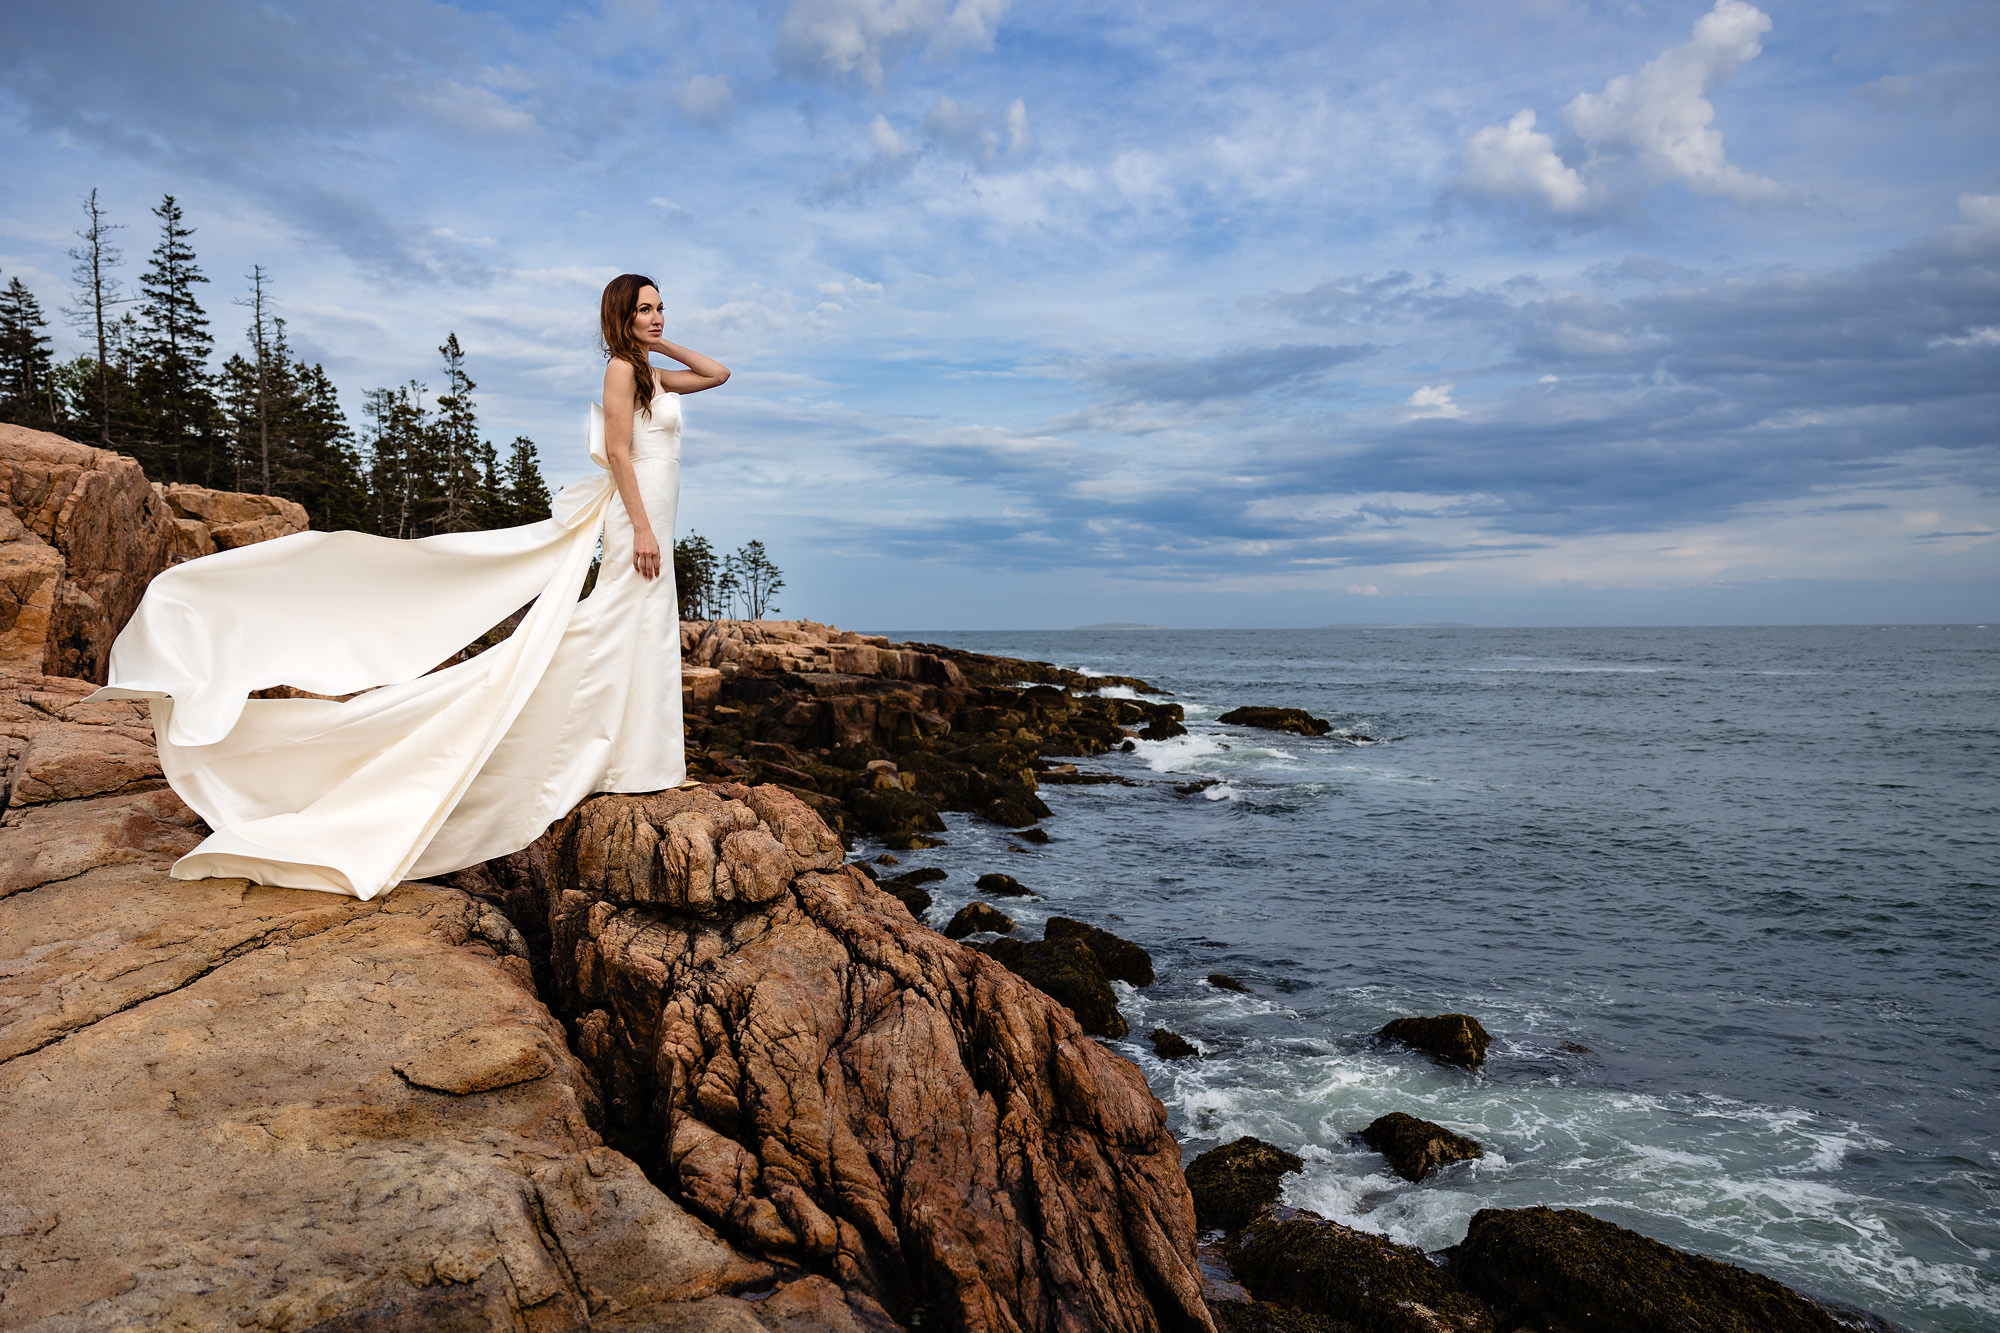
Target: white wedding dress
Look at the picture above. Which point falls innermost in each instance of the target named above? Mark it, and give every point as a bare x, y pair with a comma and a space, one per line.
429, 771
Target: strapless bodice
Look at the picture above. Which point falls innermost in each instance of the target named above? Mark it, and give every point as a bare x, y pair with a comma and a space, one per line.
658, 436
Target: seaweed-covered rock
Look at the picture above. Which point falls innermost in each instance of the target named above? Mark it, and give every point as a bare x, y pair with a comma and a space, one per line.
975, 917
1162, 729
1172, 1045
1295, 720
1298, 1258
1235, 1182
1121, 960
1067, 971
1264, 1317
1414, 1147
1567, 1269
1453, 1039
914, 899
997, 885
897, 817
1223, 981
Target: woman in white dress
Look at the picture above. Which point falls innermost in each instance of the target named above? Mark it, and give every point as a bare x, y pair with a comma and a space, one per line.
428, 771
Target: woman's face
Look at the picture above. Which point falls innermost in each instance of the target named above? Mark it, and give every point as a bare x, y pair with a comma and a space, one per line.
648, 320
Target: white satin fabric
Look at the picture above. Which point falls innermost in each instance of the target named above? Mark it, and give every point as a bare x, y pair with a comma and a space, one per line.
428, 771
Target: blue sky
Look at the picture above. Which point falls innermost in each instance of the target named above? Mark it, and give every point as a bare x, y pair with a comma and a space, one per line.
1216, 314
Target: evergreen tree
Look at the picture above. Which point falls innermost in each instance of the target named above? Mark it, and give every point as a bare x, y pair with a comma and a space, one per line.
758, 578
528, 499
27, 376
237, 395
454, 437
491, 503
694, 577
97, 293
260, 344
399, 480
322, 468
174, 384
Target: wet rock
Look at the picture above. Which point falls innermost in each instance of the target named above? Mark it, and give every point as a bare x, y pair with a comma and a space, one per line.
1295, 720
975, 917
926, 875
887, 859
1223, 981
1165, 729
1036, 835
1414, 1147
839, 1089
1453, 1039
1172, 1045
1068, 972
997, 885
897, 817
1235, 1182
1264, 1317
1297, 1258
1121, 960
908, 889
1198, 786
1567, 1269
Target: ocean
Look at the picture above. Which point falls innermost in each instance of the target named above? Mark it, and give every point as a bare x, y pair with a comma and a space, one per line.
1728, 900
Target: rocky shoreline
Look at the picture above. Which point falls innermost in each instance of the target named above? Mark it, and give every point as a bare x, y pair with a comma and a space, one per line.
680, 1064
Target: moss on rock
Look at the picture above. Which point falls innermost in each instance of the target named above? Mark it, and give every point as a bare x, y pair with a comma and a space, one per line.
1121, 960
1235, 1182
1065, 970
1414, 1147
1300, 1259
1453, 1039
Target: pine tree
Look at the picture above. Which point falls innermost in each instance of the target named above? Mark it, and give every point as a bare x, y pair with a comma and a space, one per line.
528, 499
760, 580
322, 470
694, 577
399, 481
454, 438
174, 383
260, 343
237, 394
97, 293
27, 376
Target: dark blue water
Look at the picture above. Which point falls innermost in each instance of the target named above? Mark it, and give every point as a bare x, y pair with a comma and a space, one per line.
1755, 872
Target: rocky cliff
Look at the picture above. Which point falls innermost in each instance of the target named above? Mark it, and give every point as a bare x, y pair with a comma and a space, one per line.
227, 1105
82, 532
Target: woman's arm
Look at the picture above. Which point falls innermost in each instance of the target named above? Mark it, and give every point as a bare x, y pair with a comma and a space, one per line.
703, 372
620, 402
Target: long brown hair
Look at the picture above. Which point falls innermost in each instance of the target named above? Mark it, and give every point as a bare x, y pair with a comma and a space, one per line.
614, 329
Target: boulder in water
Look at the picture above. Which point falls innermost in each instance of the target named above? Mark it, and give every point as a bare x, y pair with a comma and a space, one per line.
998, 885
1121, 960
1172, 1045
1235, 1182
1414, 1147
1295, 720
1453, 1039
975, 917
1297, 1258
1223, 981
1067, 971
1560, 1268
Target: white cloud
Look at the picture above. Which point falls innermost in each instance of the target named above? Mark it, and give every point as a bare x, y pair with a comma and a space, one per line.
1987, 335
706, 97
1516, 159
860, 38
1645, 129
888, 140
1364, 590
1433, 400
1662, 115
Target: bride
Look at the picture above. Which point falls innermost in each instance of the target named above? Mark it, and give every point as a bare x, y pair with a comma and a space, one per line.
427, 771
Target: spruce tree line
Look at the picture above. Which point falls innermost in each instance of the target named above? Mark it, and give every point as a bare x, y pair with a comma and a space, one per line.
266, 421
745, 580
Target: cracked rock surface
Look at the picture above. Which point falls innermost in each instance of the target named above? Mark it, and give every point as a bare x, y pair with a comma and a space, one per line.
230, 1106
833, 1086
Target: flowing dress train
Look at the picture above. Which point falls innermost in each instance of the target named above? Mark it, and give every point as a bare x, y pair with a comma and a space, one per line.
428, 771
